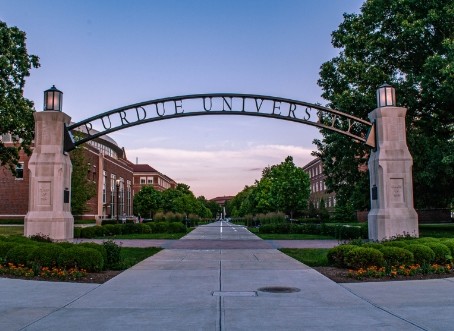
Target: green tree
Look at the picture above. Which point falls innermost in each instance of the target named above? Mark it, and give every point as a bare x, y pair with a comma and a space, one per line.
283, 188
147, 201
289, 189
410, 45
16, 112
82, 188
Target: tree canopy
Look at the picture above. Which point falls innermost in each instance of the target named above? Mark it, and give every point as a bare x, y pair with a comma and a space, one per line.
16, 112
410, 45
179, 200
82, 189
283, 188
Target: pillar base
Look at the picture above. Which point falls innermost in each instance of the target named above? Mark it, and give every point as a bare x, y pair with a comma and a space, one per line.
57, 226
392, 222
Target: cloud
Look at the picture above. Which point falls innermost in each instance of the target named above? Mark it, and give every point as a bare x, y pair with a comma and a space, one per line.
218, 172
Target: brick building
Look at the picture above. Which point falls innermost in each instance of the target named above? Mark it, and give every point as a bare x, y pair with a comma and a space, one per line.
114, 175
318, 188
147, 175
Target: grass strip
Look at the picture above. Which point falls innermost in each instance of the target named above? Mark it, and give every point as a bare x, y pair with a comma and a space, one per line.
312, 257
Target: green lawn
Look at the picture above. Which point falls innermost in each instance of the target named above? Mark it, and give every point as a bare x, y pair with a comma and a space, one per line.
292, 236
11, 230
133, 255
313, 257
146, 236
437, 230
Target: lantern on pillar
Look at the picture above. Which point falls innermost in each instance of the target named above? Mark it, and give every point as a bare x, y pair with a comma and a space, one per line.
386, 96
53, 99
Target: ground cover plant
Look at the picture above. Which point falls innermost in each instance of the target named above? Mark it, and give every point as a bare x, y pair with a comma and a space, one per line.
403, 258
39, 258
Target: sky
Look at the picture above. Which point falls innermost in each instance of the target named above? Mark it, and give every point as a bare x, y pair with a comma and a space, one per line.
108, 54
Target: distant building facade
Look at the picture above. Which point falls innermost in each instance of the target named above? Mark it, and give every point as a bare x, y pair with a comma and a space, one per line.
318, 187
147, 175
114, 175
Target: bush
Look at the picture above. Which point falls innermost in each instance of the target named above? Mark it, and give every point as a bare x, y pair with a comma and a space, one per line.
113, 253
45, 256
100, 248
89, 232
396, 256
450, 244
176, 227
158, 227
442, 252
82, 257
143, 228
4, 249
19, 254
364, 257
39, 237
65, 245
108, 222
401, 244
422, 254
336, 255
373, 245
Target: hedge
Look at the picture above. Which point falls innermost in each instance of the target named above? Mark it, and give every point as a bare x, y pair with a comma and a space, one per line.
396, 256
422, 254
82, 257
364, 257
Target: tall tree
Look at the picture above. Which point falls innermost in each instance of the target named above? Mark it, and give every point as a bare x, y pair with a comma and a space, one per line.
289, 190
409, 44
82, 188
16, 112
147, 201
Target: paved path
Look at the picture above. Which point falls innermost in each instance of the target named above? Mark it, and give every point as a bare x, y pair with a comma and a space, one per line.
219, 289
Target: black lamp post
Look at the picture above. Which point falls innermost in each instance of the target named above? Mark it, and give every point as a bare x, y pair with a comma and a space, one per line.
117, 184
386, 96
53, 99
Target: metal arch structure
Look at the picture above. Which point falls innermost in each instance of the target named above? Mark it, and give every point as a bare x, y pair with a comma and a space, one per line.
221, 104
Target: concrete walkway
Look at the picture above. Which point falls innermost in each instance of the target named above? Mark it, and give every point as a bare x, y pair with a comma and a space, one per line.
205, 288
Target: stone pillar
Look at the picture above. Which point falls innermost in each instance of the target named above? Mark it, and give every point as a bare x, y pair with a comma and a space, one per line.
390, 168
49, 211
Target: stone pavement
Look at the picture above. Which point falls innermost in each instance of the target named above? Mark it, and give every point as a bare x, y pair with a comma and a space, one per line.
206, 288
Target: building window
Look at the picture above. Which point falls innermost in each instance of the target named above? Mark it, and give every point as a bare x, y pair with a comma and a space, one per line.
104, 187
143, 180
128, 203
112, 195
20, 171
149, 180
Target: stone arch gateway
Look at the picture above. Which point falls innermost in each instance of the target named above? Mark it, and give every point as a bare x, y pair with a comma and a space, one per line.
392, 211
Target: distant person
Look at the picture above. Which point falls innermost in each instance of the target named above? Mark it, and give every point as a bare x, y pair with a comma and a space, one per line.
123, 218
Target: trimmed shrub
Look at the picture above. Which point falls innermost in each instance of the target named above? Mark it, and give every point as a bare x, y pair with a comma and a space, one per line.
442, 252
401, 244
158, 227
81, 257
113, 253
373, 245
422, 254
99, 248
89, 232
108, 222
363, 257
176, 227
450, 244
336, 255
142, 228
4, 249
19, 254
45, 256
396, 256
65, 245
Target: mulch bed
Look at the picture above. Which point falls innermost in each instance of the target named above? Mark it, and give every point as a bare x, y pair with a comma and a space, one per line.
96, 278
341, 276
335, 274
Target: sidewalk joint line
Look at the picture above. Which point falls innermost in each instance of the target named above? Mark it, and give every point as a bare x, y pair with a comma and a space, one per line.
383, 309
